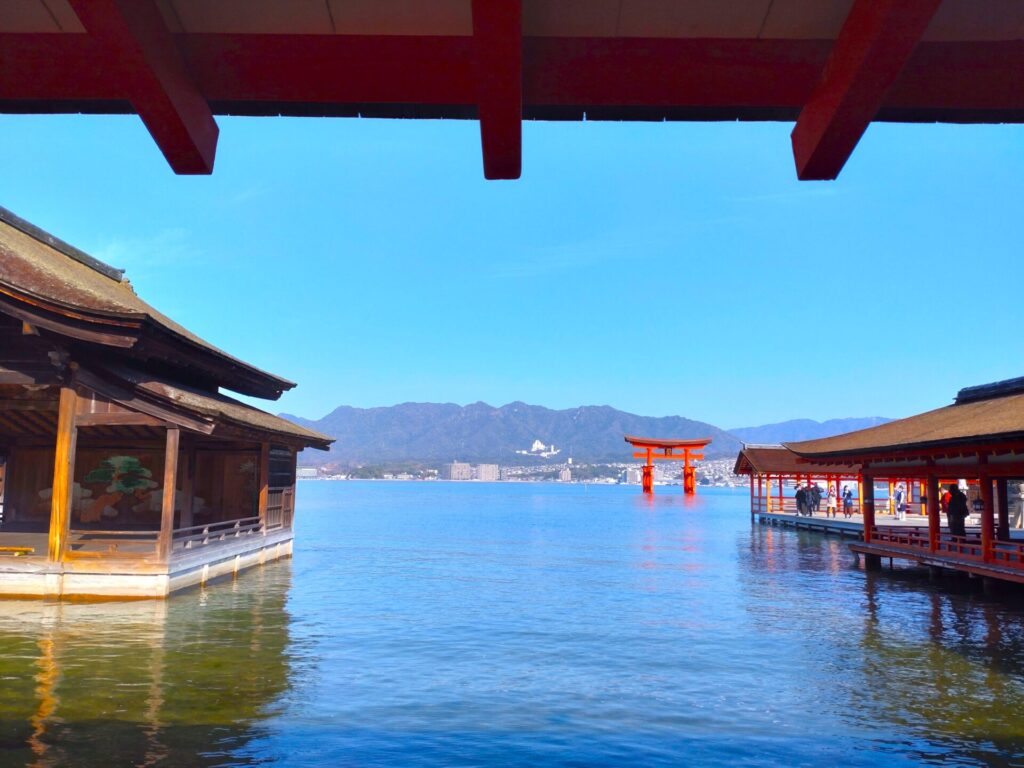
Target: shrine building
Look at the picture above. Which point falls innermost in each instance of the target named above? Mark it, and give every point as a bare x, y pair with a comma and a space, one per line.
125, 471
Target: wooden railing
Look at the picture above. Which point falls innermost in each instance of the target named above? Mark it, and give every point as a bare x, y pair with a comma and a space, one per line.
1009, 553
911, 536
964, 547
788, 506
144, 545
211, 533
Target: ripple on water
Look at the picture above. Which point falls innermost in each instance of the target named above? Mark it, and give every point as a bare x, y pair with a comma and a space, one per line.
515, 624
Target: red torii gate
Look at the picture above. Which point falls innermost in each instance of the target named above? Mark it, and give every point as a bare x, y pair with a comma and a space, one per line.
670, 450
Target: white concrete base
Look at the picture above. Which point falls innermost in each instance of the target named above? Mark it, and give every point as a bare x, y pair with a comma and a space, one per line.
125, 579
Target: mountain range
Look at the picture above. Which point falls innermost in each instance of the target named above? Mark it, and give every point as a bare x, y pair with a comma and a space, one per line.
433, 433
803, 429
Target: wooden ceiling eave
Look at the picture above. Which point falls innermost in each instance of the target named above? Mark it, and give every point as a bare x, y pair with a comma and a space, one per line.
167, 410
212, 368
28, 375
123, 334
233, 431
129, 398
145, 339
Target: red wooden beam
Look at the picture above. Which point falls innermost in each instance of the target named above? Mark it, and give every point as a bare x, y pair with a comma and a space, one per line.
498, 42
142, 53
874, 45
562, 77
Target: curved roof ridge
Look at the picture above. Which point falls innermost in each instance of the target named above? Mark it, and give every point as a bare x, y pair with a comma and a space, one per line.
70, 290
40, 234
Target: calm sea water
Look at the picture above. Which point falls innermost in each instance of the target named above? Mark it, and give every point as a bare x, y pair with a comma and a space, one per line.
523, 625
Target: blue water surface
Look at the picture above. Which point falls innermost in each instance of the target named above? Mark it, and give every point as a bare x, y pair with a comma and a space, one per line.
515, 624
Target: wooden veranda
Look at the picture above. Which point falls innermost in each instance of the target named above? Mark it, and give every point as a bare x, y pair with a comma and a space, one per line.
125, 472
776, 472
975, 444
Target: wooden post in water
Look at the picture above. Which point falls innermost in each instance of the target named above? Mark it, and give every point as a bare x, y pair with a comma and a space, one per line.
648, 474
867, 505
987, 509
63, 475
1003, 509
689, 474
934, 512
170, 483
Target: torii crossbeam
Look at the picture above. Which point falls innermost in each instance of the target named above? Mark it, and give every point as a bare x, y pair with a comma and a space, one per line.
652, 450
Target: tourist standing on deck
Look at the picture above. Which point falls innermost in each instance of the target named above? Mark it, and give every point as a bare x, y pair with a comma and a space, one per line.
956, 511
847, 501
815, 499
898, 502
830, 502
801, 500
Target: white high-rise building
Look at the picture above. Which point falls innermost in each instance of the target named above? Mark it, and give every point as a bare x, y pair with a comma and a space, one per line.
456, 470
487, 473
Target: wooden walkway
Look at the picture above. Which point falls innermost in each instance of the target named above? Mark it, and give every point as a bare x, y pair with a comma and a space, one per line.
854, 526
841, 526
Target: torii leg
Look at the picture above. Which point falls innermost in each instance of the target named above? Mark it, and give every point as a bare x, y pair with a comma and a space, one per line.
648, 476
689, 476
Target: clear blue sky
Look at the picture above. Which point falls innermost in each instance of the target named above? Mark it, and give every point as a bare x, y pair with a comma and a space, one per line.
658, 268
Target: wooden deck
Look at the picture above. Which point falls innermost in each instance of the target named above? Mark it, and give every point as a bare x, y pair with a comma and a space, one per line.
841, 526
130, 571
908, 540
992, 570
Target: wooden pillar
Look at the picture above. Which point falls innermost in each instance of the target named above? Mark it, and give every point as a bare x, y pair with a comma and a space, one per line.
1003, 509
264, 483
63, 475
782, 501
760, 493
648, 474
770, 494
751, 493
987, 523
170, 483
867, 505
689, 474
934, 512
188, 488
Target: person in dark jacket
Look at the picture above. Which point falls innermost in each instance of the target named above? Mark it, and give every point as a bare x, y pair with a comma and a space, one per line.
956, 511
801, 500
815, 493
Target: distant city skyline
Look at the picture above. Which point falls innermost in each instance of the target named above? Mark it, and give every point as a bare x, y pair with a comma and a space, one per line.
662, 269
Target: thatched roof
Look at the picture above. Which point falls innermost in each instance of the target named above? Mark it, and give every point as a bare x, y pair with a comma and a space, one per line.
779, 460
53, 285
973, 420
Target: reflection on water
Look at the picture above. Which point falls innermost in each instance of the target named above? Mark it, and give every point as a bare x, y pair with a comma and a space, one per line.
181, 682
475, 624
936, 670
